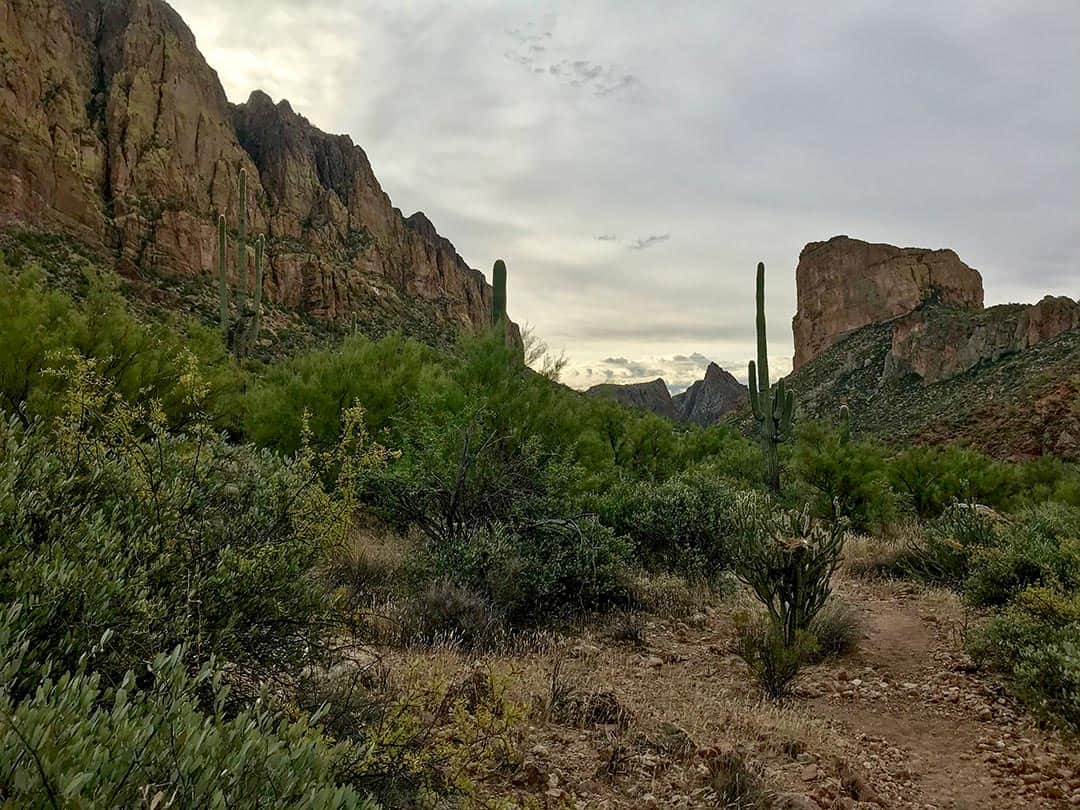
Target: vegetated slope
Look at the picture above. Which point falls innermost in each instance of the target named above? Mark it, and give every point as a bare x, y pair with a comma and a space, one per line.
1020, 404
115, 132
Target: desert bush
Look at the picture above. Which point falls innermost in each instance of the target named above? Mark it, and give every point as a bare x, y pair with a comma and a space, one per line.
76, 741
684, 523
1040, 547
445, 612
774, 659
934, 478
535, 571
837, 629
849, 479
43, 328
787, 561
110, 521
942, 554
1034, 640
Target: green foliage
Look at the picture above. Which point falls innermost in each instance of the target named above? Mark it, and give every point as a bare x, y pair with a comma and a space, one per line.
837, 629
774, 661
773, 408
943, 555
148, 741
110, 521
685, 522
1035, 640
849, 480
933, 478
787, 560
40, 328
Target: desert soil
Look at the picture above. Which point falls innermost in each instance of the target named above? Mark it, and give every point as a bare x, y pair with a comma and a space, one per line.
670, 718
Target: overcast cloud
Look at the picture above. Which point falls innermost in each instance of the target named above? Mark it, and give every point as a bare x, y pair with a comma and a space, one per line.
632, 161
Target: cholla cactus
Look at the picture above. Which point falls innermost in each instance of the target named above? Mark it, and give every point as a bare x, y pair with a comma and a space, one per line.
787, 559
773, 406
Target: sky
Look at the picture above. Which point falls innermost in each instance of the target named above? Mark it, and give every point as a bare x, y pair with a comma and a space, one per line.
632, 161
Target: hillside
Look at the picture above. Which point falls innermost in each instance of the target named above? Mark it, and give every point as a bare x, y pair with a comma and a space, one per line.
116, 134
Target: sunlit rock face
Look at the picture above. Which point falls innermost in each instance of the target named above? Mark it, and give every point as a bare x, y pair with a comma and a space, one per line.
115, 130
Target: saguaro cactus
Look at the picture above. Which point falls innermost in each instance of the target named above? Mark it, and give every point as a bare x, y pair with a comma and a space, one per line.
845, 425
242, 337
223, 277
498, 302
773, 406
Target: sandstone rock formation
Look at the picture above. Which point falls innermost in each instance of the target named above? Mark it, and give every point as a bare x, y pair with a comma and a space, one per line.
844, 284
937, 343
707, 400
653, 397
115, 131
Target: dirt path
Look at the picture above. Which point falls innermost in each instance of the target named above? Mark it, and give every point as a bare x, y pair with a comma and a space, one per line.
902, 723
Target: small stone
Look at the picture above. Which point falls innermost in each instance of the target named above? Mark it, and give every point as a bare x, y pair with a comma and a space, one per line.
809, 773
985, 714
654, 662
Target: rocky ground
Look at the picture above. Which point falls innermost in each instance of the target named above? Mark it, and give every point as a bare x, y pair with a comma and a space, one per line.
657, 713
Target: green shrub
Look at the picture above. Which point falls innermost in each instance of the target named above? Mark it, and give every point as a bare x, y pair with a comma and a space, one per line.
934, 478
75, 741
1034, 640
837, 629
535, 571
774, 660
943, 554
849, 480
684, 523
108, 521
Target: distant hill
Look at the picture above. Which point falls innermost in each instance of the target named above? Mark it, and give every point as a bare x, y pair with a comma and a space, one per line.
703, 403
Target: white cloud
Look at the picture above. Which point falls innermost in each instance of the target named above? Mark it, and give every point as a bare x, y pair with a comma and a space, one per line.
558, 135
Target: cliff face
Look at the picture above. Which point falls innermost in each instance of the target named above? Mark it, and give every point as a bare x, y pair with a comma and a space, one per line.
707, 400
845, 284
115, 131
653, 397
933, 365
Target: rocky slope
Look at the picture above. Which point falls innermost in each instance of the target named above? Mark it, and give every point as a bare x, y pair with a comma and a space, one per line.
116, 132
934, 365
703, 403
707, 400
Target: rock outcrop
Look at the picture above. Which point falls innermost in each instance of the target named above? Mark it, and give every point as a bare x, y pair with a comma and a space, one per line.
703, 403
708, 400
845, 284
115, 131
937, 343
653, 397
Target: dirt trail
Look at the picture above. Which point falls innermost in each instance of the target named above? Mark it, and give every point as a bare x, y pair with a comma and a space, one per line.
909, 687
903, 723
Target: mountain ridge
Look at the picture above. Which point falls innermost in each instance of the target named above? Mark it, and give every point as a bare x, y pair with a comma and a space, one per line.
116, 132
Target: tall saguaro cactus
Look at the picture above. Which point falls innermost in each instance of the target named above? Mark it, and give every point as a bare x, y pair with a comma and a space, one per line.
773, 406
498, 302
246, 332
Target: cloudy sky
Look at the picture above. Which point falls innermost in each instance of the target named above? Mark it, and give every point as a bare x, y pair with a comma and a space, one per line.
632, 160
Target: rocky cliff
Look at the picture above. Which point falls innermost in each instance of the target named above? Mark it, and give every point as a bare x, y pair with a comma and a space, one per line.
845, 284
906, 343
115, 131
703, 403
708, 400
